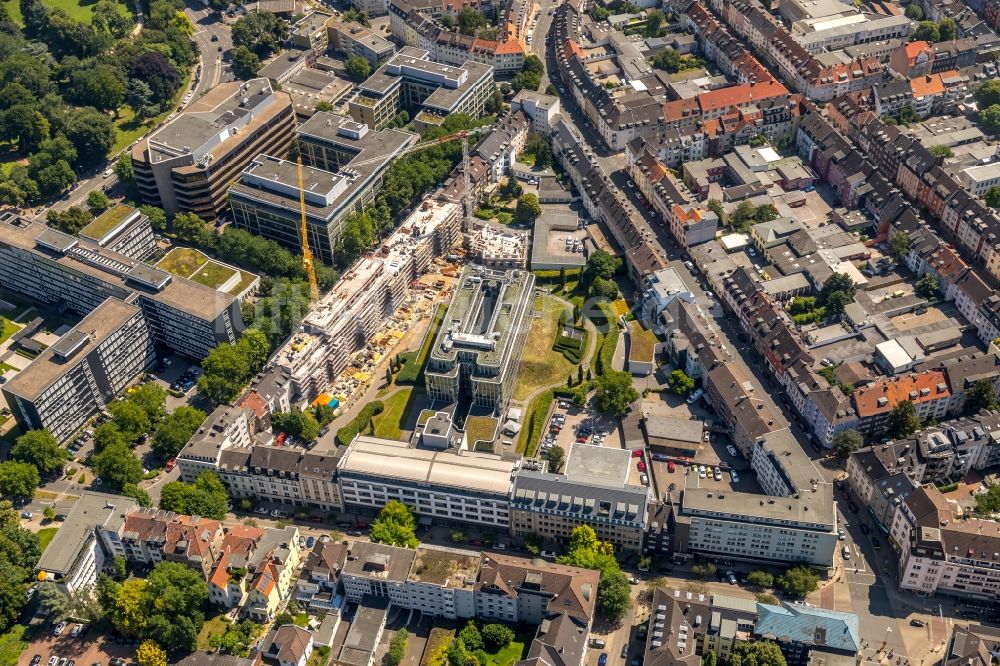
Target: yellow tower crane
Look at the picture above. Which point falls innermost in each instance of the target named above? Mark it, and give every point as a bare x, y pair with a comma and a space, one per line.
307, 257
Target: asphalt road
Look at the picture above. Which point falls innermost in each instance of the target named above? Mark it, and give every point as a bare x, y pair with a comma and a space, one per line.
214, 69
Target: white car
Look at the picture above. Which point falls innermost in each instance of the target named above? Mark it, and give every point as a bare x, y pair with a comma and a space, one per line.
60, 628
702, 473
841, 535
644, 479
708, 435
107, 173
732, 450
846, 552
548, 554
735, 477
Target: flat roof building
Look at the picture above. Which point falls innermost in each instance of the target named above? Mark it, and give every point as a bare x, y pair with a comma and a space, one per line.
124, 230
411, 80
345, 166
85, 370
52, 267
593, 490
478, 348
452, 486
85, 540
353, 39
188, 164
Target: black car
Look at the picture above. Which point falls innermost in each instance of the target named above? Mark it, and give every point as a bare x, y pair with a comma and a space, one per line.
865, 529
36, 660
854, 507
665, 570
917, 623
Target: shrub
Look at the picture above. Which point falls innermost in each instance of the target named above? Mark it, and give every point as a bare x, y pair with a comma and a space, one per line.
346, 434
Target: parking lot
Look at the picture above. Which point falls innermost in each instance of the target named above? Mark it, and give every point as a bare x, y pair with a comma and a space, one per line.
601, 430
90, 648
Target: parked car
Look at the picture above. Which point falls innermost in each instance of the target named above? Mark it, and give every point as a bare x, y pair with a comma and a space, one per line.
170, 464
734, 476
642, 466
717, 474
26, 515
671, 466
77, 630
731, 577
548, 554
603, 659
597, 643
644, 479
732, 450
625, 651
60, 628
841, 535
916, 622
846, 552
637, 453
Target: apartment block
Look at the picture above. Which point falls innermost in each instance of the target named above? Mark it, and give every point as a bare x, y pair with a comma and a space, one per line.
151, 536
88, 539
55, 268
188, 164
124, 230
225, 428
255, 570
478, 348
411, 80
287, 476
593, 490
353, 39
757, 527
451, 486
928, 391
85, 370
347, 163
940, 553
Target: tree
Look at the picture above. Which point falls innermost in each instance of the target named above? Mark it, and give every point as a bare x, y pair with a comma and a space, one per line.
992, 197
837, 292
947, 29
157, 218
18, 479
397, 648
128, 612
395, 526
942, 150
798, 581
40, 449
988, 93
139, 96
765, 213
141, 497
191, 228
117, 465
175, 599
926, 31
914, 12
527, 209
98, 202
847, 442
470, 21
26, 125
555, 457
601, 264
358, 68
471, 637
261, 32
205, 497
92, 134
225, 372
756, 653
53, 601
668, 60
108, 434
980, 396
654, 21
297, 423
131, 419
101, 87
159, 74
615, 393
903, 420
988, 503
680, 383
175, 430
990, 118
49, 513
899, 245
150, 654
614, 595
497, 636
70, 221
152, 400
760, 579
245, 63
927, 286
606, 289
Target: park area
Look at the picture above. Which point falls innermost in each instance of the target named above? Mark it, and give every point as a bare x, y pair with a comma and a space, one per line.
540, 366
195, 265
78, 10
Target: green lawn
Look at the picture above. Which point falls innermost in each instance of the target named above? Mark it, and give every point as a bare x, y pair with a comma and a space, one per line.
507, 656
389, 424
541, 366
12, 644
80, 10
182, 261
4, 367
45, 535
8, 328
131, 129
213, 275
213, 626
480, 428
245, 280
107, 221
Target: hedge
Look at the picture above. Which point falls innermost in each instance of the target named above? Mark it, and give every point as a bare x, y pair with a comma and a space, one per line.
549, 277
346, 434
605, 353
532, 433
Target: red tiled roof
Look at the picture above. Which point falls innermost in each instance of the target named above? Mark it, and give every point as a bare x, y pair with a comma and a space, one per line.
919, 388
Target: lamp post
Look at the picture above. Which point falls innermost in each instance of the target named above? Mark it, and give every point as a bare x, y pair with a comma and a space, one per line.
888, 630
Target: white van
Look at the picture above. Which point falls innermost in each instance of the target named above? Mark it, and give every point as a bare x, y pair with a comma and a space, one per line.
693, 398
